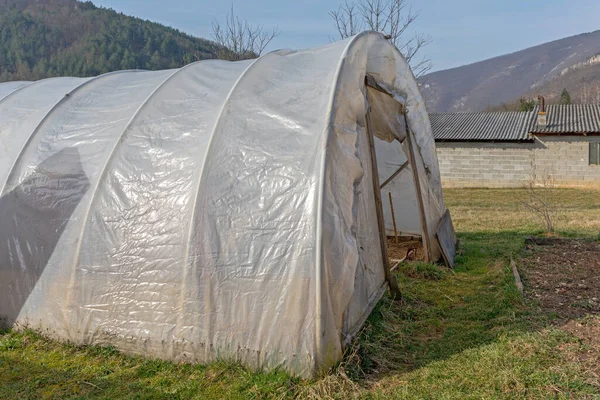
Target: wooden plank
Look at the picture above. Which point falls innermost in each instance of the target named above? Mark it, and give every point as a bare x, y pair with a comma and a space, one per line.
413, 164
393, 216
446, 238
392, 282
395, 174
515, 271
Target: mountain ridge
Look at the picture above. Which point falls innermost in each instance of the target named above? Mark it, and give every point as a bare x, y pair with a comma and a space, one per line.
486, 83
582, 81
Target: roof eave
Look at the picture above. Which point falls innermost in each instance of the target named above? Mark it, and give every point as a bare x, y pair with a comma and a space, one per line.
524, 140
550, 133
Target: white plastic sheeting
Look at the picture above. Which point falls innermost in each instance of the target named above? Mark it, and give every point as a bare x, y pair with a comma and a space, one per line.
9, 87
218, 211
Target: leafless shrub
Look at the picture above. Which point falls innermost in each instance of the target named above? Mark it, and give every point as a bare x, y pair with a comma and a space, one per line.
540, 197
238, 40
392, 17
191, 56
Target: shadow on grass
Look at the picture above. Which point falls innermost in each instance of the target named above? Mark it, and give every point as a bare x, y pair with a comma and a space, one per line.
471, 307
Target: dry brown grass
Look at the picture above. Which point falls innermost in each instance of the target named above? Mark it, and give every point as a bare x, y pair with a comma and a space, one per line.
496, 210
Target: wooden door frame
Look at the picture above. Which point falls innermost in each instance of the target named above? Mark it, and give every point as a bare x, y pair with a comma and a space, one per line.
372, 83
390, 279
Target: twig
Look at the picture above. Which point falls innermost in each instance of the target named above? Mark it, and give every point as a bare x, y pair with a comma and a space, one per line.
395, 267
398, 262
444, 294
91, 384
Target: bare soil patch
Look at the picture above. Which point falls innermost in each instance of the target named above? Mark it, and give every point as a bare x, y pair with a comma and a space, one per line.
564, 276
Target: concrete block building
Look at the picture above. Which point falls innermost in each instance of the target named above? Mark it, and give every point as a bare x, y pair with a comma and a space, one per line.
507, 149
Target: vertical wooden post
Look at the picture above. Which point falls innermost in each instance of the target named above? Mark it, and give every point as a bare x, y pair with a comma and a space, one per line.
392, 282
413, 164
393, 217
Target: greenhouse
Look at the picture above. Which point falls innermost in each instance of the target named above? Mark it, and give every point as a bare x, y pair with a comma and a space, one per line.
224, 210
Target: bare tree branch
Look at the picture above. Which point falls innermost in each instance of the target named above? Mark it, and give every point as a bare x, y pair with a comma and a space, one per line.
346, 20
539, 198
238, 40
391, 17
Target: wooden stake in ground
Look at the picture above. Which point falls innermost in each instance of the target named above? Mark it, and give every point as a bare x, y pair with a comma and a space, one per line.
515, 271
413, 165
393, 217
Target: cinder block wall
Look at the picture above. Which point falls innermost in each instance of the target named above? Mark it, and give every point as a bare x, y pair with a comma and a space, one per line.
497, 165
481, 164
567, 160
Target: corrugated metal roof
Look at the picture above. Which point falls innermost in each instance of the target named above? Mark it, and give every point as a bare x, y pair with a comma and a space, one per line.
569, 119
515, 126
494, 126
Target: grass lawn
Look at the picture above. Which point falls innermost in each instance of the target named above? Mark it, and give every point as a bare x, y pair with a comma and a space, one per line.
467, 334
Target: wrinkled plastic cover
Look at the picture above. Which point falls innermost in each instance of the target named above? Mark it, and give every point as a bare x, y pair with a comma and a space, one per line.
218, 211
390, 157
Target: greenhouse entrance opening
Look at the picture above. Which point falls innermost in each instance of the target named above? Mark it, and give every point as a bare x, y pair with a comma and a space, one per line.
404, 231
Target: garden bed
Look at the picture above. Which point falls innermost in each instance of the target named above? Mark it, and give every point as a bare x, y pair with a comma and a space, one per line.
563, 275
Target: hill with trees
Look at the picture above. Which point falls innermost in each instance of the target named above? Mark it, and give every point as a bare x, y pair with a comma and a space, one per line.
46, 38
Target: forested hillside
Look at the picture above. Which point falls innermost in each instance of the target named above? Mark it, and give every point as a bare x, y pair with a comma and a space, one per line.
46, 38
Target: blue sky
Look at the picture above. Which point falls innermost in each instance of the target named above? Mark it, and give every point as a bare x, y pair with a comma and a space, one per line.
463, 31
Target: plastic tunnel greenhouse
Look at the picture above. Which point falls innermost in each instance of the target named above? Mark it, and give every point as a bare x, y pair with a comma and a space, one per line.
224, 210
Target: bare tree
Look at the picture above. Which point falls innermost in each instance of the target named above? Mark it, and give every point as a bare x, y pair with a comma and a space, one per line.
238, 40
540, 199
347, 20
391, 17
590, 94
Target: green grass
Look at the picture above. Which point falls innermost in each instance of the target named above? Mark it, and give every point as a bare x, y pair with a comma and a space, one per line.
455, 335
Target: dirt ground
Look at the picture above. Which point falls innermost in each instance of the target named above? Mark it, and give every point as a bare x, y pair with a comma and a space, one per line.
397, 251
587, 331
564, 276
